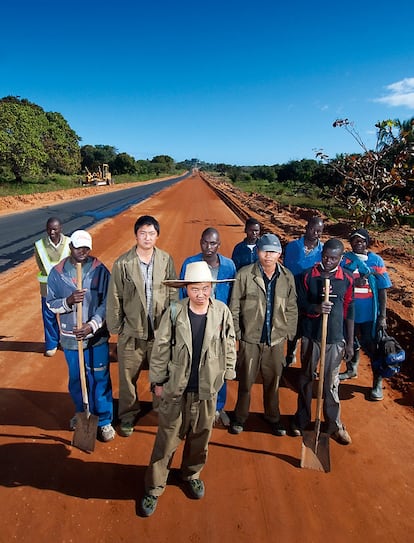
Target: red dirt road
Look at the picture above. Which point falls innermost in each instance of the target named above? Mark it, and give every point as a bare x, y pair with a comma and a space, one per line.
255, 489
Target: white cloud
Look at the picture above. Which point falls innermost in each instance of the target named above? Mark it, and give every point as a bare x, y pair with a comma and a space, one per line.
400, 93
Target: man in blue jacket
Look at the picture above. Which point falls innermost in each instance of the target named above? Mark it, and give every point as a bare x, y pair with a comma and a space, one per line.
300, 255
221, 268
63, 296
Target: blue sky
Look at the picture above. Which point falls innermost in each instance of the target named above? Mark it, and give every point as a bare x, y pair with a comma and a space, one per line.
238, 82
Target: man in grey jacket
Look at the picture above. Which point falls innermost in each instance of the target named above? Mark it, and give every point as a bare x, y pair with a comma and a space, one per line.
194, 352
264, 309
137, 298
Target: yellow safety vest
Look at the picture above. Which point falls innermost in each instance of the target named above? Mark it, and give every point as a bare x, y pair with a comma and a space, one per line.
46, 260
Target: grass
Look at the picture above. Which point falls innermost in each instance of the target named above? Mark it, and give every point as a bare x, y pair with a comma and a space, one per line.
296, 194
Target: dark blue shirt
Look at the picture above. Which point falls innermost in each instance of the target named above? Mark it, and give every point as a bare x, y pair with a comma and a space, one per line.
243, 255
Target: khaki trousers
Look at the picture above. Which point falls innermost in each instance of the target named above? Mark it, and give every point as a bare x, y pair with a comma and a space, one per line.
185, 418
269, 361
133, 354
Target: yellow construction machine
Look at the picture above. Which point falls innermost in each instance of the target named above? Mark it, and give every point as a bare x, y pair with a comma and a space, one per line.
101, 177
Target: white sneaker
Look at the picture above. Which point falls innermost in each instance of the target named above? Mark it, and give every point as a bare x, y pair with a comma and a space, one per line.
217, 417
222, 416
225, 419
51, 352
106, 433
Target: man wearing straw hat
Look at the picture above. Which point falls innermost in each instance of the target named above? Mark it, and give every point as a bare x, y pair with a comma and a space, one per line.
221, 268
193, 353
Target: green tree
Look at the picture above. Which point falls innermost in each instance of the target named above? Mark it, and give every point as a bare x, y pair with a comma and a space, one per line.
61, 145
264, 172
301, 171
143, 166
162, 164
93, 156
33, 142
22, 127
124, 163
88, 157
368, 180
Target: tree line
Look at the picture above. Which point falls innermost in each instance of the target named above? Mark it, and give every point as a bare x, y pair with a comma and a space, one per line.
374, 185
36, 143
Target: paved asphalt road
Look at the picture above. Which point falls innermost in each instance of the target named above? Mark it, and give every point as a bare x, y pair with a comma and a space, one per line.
19, 231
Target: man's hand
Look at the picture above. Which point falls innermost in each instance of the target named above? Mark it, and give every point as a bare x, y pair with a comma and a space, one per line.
83, 331
76, 297
324, 307
381, 323
158, 390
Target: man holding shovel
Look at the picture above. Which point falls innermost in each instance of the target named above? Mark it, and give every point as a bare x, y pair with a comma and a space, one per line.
340, 308
64, 298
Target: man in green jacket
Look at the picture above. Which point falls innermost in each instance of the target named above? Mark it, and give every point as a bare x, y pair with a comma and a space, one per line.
137, 298
193, 353
264, 309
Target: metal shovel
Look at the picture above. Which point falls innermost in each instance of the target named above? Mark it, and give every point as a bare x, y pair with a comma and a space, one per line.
84, 436
315, 445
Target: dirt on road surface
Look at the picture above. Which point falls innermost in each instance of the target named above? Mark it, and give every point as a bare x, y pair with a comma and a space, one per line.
255, 489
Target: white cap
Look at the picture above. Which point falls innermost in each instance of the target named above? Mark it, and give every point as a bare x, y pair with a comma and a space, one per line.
81, 238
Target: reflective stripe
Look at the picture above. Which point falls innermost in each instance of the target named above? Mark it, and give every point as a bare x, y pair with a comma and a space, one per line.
45, 259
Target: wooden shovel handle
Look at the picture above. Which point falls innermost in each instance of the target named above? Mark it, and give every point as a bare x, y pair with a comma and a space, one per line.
79, 323
324, 333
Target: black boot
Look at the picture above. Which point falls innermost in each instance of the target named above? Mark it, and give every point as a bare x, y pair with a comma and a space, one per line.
351, 367
376, 392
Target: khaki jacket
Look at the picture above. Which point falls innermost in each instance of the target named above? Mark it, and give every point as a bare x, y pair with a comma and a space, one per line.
248, 305
170, 365
126, 310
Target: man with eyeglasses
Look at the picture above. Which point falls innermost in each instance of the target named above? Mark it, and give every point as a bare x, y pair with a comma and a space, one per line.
137, 298
221, 268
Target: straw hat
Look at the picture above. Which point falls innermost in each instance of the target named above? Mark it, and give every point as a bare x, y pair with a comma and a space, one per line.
195, 272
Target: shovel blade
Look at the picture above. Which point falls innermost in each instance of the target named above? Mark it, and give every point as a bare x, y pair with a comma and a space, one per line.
84, 436
315, 452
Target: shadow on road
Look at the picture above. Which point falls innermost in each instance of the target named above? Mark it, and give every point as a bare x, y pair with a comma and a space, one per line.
21, 346
50, 467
